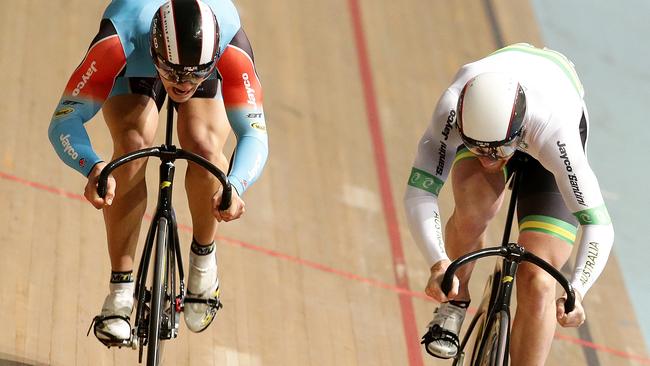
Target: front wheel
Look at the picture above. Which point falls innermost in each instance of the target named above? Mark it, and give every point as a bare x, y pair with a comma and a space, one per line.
154, 347
493, 346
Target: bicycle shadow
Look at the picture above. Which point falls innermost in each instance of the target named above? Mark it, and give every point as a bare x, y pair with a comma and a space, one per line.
12, 360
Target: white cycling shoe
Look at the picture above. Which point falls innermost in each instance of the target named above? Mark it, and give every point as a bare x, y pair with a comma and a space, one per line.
112, 327
441, 339
202, 300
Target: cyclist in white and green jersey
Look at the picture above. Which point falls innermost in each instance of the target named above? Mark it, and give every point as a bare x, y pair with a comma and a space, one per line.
518, 100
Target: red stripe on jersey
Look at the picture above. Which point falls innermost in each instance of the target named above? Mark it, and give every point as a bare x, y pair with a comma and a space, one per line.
240, 83
94, 78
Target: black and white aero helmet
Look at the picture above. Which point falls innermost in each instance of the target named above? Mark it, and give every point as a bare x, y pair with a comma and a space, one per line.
184, 38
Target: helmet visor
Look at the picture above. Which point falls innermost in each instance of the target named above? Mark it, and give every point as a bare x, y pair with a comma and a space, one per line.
192, 75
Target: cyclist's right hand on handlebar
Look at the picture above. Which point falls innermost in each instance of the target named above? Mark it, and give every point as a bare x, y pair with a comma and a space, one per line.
90, 192
234, 211
433, 286
573, 319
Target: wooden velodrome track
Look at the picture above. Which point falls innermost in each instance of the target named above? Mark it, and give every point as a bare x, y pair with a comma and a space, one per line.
322, 269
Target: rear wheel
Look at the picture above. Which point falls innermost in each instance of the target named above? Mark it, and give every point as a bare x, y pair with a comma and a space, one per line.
158, 295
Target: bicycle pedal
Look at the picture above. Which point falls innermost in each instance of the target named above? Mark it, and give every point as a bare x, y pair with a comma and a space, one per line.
134, 342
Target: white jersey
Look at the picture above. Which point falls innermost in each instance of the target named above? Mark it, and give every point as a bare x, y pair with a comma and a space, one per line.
554, 106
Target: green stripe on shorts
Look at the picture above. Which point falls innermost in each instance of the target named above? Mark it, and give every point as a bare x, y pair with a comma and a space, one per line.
559, 59
549, 225
463, 153
425, 181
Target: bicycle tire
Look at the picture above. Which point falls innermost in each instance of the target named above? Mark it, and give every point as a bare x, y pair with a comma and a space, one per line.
480, 329
154, 347
477, 326
474, 329
495, 349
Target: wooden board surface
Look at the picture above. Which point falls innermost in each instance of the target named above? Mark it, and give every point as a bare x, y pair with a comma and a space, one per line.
308, 275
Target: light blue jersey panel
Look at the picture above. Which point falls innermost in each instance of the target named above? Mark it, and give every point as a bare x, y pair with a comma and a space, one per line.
132, 20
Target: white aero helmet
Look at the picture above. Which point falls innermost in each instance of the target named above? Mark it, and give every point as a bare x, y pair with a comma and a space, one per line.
491, 110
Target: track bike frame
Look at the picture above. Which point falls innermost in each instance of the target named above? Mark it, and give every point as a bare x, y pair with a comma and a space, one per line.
492, 339
159, 305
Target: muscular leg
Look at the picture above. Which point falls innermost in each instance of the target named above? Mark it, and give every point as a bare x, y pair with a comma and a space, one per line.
478, 194
203, 129
132, 120
536, 300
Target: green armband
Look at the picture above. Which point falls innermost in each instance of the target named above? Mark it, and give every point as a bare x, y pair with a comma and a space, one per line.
425, 181
594, 216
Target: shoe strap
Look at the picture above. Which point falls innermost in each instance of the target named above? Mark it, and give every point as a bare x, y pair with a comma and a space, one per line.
438, 334
212, 302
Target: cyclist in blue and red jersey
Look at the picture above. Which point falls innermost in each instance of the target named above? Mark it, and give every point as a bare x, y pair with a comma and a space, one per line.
196, 52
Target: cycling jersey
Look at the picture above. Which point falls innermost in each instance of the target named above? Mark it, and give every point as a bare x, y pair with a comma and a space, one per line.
551, 135
119, 57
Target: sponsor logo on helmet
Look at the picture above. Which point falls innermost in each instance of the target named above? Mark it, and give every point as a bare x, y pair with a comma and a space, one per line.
63, 112
573, 179
85, 78
254, 115
592, 256
154, 33
249, 91
67, 147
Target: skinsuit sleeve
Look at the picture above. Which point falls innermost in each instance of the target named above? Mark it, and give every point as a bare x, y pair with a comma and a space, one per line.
434, 159
564, 156
84, 94
242, 96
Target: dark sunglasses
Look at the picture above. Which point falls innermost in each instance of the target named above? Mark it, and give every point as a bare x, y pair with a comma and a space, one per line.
178, 77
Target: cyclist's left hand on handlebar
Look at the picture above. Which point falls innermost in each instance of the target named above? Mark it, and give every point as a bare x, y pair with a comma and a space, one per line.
573, 319
236, 209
